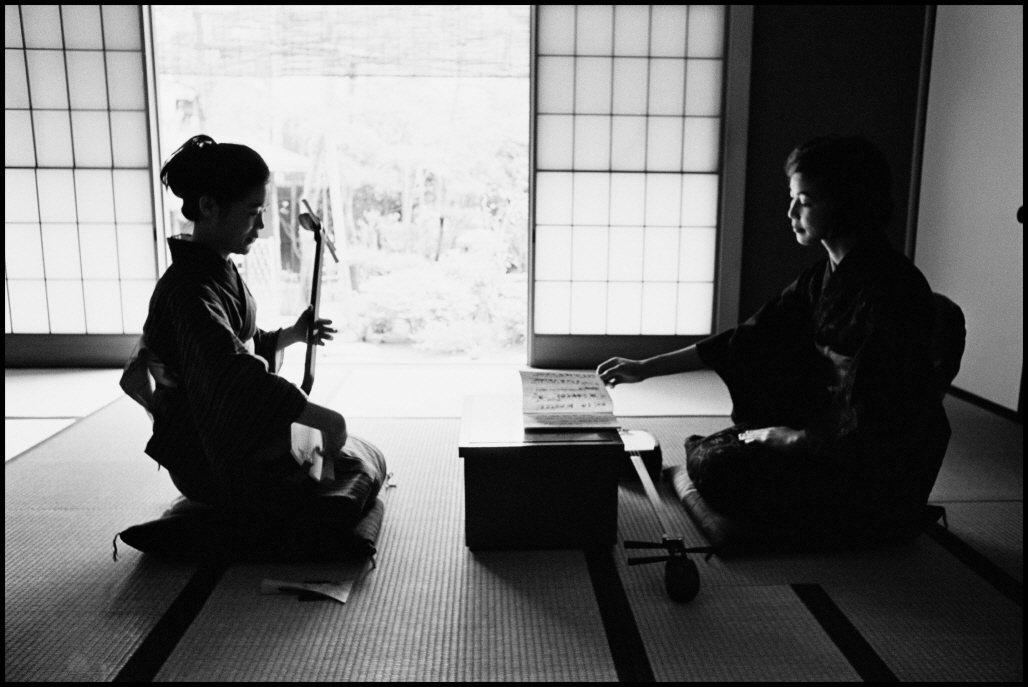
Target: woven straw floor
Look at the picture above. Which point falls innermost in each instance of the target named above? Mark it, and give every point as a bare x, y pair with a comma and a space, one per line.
432, 610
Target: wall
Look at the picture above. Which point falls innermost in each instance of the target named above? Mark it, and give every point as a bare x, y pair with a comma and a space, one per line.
820, 69
78, 214
969, 243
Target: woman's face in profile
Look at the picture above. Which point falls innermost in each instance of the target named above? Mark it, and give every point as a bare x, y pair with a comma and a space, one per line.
236, 227
809, 211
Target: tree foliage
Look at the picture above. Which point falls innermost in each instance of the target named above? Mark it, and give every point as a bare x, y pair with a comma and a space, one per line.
423, 180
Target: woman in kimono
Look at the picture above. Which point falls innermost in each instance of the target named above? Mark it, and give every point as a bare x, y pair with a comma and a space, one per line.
222, 417
840, 429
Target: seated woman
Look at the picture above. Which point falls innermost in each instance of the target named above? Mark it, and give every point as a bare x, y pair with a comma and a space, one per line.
222, 418
839, 431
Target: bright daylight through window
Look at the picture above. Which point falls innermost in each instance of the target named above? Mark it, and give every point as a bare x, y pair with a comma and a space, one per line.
405, 128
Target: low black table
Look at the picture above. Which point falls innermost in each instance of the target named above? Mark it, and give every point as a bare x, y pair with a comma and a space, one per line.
535, 490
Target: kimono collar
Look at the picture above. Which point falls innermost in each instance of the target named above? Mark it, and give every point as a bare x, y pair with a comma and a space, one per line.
188, 253
862, 255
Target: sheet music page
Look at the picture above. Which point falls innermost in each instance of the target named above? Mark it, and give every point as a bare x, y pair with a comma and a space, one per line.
565, 399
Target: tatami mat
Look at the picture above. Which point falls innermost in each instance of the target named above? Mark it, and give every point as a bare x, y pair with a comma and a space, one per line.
70, 612
927, 615
58, 393
432, 610
994, 529
937, 631
759, 631
985, 459
22, 434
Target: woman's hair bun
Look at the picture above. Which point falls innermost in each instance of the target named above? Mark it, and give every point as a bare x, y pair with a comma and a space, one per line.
202, 167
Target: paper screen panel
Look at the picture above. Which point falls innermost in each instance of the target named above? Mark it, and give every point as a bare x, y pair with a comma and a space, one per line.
556, 30
20, 201
87, 80
61, 251
555, 85
66, 306
667, 87
135, 299
25, 241
66, 181
664, 144
48, 88
624, 308
130, 145
663, 199
632, 30
595, 30
82, 27
588, 307
695, 309
41, 25
703, 87
628, 199
658, 308
552, 253
553, 307
103, 307
592, 142
628, 144
136, 255
56, 195
626, 204
589, 253
591, 198
99, 250
706, 31
19, 150
122, 29
29, 313
95, 194
660, 254
553, 197
627, 250
92, 138
592, 85
16, 90
701, 145
53, 138
554, 142
125, 87
12, 26
668, 28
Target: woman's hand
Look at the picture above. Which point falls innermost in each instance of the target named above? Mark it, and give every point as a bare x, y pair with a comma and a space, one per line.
322, 331
783, 439
618, 370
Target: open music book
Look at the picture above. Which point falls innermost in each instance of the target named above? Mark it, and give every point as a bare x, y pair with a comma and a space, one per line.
573, 400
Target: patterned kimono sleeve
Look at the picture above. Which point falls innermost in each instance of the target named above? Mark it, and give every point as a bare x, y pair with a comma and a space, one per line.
769, 362
237, 404
266, 346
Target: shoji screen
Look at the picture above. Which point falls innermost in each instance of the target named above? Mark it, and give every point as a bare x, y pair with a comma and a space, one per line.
79, 242
628, 159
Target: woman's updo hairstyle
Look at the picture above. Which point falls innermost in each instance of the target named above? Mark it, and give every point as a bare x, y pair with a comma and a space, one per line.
853, 173
224, 171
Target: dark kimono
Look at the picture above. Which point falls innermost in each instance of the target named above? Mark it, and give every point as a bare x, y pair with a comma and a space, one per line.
843, 354
217, 407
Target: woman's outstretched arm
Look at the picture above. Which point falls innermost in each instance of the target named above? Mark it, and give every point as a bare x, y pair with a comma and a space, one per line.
623, 370
331, 424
